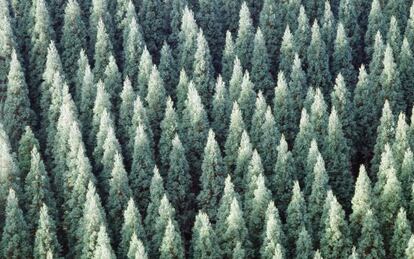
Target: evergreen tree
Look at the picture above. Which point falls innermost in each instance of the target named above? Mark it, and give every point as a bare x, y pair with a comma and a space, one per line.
287, 52
348, 15
212, 177
400, 144
319, 117
203, 71
81, 65
261, 65
235, 80
401, 236
45, 239
103, 50
73, 38
181, 91
405, 174
204, 242
296, 218
269, 135
273, 235
394, 35
220, 110
258, 118
168, 128
409, 29
317, 57
304, 245
118, 195
370, 242
328, 25
131, 229
335, 241
228, 56
397, 9
92, 219
113, 82
233, 137
342, 56
133, 46
283, 175
103, 247
178, 182
309, 165
236, 232
136, 249
361, 202
247, 97
27, 142
139, 117
317, 197
151, 19
7, 43
242, 162
302, 34
16, 107
194, 129
282, 105
337, 157
126, 111
405, 68
15, 238
171, 245
297, 86
87, 95
167, 68
155, 99
99, 13
245, 37
409, 251
144, 72
36, 190
187, 40
142, 166
302, 143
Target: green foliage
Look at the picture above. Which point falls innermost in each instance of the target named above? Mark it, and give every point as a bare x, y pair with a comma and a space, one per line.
131, 229
401, 236
370, 242
245, 37
45, 238
261, 65
204, 241
272, 235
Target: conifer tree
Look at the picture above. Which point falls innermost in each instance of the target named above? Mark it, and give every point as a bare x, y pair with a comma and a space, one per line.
139, 117
203, 71
125, 113
27, 142
309, 165
187, 40
10, 175
103, 50
168, 128
81, 66
212, 177
73, 38
361, 202
394, 35
92, 219
15, 238
405, 174
142, 166
224, 207
409, 29
273, 236
155, 99
228, 56
390, 83
245, 37
283, 175
151, 19
370, 243
297, 86
132, 228
405, 68
317, 197
87, 95
181, 91
342, 56
287, 52
103, 247
376, 23
328, 25
282, 105
397, 9
247, 97
171, 245
16, 107
220, 110
236, 232
261, 65
302, 34
167, 68
7, 43
348, 15
400, 144
194, 128
136, 248
296, 218
113, 82
118, 195
302, 143
204, 241
376, 67
319, 117
242, 162
269, 135
133, 46
337, 157
401, 236
304, 245
144, 72
335, 241
234, 136
318, 66
258, 118
178, 182
99, 13
45, 238
36, 190
235, 80
41, 35
409, 251
271, 22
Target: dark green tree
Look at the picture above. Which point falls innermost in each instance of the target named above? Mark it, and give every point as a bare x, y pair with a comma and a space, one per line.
131, 229
273, 236
304, 245
220, 110
103, 50
261, 75
342, 57
229, 53
168, 127
233, 138
245, 37
401, 236
287, 52
45, 238
204, 241
370, 243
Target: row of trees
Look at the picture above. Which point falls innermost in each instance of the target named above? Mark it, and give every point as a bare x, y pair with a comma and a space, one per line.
206, 129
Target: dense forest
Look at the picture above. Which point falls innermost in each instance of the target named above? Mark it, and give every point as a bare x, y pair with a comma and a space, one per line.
206, 129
